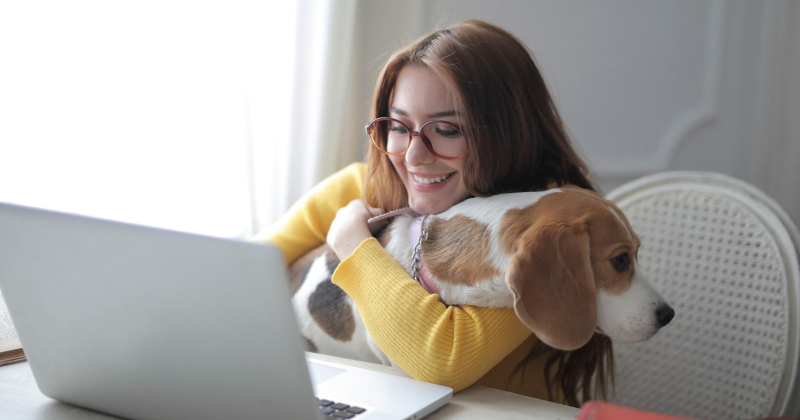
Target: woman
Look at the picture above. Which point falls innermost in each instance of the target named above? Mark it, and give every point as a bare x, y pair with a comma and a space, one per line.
489, 126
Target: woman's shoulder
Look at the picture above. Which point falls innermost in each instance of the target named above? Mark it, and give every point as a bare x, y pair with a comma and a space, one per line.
357, 168
352, 173
348, 181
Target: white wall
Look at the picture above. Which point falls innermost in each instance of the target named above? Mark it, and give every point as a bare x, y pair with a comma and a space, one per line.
643, 86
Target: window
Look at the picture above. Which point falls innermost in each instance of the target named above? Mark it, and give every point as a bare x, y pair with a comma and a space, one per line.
139, 111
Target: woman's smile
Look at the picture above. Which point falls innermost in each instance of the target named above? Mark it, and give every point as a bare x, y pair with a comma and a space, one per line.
430, 182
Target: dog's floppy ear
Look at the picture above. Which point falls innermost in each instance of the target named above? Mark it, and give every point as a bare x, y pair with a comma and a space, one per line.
553, 284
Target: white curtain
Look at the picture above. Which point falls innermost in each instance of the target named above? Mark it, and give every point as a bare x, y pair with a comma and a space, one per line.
320, 139
208, 117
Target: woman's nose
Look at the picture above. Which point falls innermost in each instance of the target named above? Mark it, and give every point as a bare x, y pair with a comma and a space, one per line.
417, 154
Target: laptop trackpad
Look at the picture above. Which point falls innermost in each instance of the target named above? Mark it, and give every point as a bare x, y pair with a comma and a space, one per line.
321, 373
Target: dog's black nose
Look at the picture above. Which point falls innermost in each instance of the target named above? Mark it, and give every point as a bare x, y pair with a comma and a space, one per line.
664, 314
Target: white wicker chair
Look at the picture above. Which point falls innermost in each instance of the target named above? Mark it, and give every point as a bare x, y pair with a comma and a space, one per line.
724, 255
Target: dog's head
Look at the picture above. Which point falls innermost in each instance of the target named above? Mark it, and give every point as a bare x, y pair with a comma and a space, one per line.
574, 270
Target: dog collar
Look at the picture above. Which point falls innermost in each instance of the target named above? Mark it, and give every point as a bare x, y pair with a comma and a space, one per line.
416, 235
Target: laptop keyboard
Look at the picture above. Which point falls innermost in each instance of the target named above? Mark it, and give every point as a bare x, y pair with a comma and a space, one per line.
334, 410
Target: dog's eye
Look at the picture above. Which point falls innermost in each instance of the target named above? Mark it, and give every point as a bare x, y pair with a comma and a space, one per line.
621, 262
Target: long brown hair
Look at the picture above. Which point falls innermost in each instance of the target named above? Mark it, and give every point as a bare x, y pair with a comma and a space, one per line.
516, 142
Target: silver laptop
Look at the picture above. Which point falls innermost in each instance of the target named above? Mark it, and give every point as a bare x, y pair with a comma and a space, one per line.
146, 324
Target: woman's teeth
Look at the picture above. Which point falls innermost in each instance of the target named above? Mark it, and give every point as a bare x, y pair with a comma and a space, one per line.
422, 180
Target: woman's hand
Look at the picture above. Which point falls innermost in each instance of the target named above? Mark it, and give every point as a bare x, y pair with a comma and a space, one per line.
349, 228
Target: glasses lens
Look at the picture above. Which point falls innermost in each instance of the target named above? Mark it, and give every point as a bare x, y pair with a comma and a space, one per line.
393, 137
446, 138
389, 136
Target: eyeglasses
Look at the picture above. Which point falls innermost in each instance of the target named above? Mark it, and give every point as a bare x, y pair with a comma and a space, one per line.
442, 138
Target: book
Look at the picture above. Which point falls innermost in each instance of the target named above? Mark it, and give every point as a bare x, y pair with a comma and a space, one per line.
10, 346
598, 410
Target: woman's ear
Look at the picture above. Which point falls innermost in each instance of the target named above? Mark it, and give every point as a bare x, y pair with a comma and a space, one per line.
553, 284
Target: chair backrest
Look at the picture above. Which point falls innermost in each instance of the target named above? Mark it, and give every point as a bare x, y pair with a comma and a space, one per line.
724, 255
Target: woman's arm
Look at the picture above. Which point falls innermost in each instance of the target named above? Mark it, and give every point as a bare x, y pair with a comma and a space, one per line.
453, 346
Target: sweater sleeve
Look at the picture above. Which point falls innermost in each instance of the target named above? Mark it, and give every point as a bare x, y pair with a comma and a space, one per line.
449, 345
305, 226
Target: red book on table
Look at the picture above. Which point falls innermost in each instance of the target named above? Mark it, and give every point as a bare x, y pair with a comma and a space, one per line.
596, 410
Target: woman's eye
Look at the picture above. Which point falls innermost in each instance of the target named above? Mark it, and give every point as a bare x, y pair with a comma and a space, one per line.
398, 129
448, 132
621, 262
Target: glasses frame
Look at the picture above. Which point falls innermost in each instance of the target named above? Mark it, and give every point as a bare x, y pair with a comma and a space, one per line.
411, 135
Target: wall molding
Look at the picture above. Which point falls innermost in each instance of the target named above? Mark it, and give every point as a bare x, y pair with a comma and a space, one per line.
687, 122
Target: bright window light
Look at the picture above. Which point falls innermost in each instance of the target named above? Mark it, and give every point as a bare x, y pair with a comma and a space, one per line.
138, 111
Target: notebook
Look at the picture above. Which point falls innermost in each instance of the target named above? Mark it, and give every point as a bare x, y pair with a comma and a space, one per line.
147, 323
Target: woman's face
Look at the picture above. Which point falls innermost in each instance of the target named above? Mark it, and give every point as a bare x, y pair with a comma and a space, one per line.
433, 184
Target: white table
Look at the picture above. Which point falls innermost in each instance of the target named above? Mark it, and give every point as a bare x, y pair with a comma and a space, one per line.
20, 399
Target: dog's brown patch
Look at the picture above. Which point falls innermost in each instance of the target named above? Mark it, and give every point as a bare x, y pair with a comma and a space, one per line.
514, 223
457, 251
330, 306
563, 207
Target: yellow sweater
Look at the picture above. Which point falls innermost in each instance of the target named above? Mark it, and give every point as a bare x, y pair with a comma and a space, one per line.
452, 346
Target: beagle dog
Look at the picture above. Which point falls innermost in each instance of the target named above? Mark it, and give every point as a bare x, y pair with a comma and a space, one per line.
564, 259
